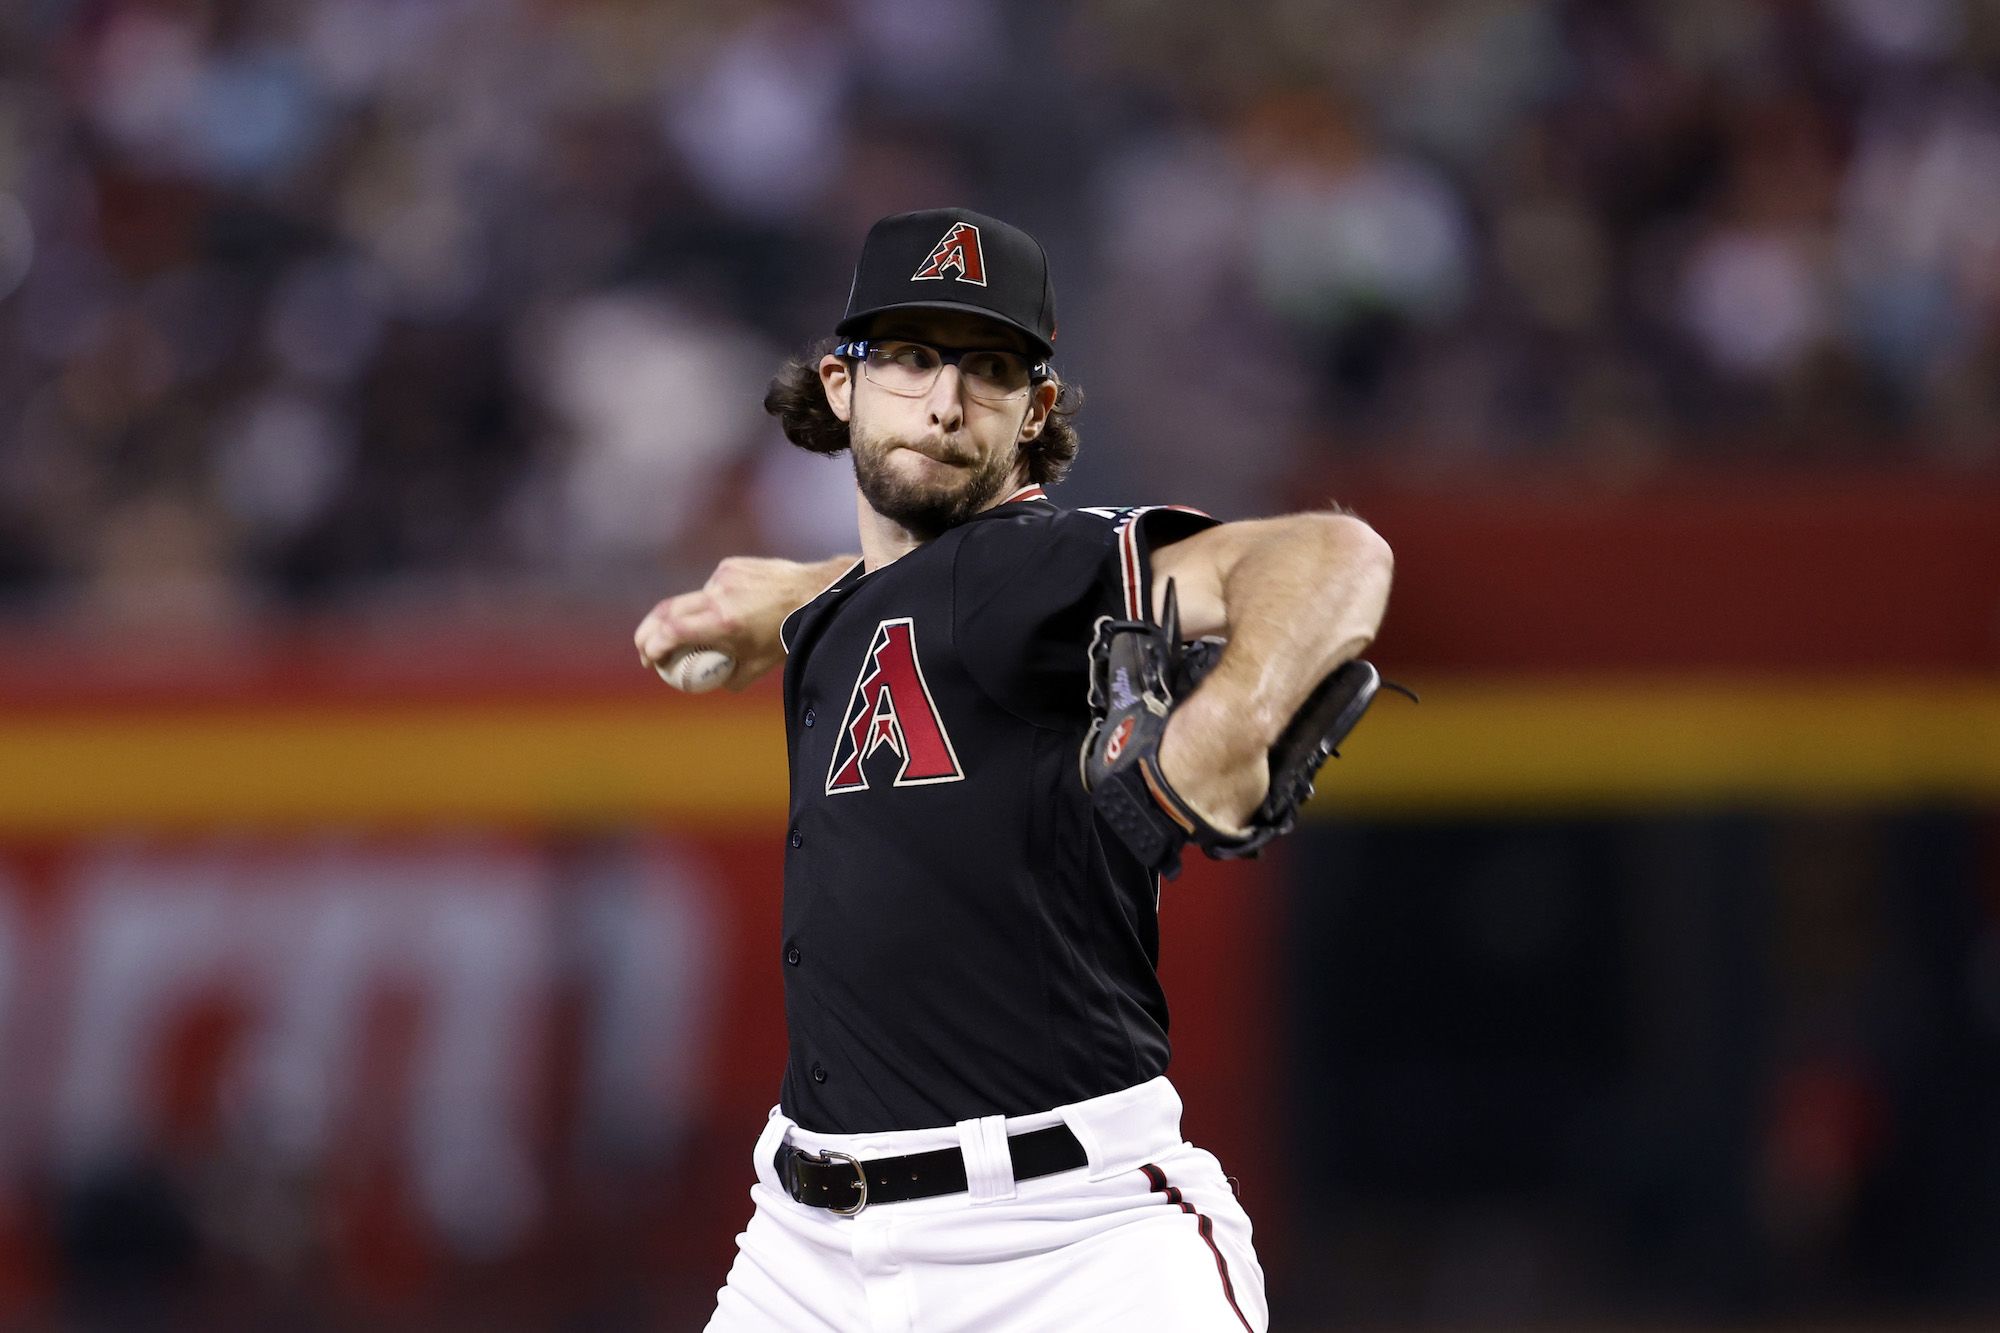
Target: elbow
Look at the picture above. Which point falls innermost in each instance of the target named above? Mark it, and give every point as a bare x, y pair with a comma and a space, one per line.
1360, 567
1357, 549
1378, 555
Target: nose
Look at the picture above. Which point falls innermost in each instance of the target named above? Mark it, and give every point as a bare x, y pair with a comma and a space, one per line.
947, 413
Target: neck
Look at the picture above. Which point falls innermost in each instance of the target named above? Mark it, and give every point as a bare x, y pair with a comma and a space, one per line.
885, 541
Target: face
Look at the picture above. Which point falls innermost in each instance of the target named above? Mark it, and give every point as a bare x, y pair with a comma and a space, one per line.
932, 461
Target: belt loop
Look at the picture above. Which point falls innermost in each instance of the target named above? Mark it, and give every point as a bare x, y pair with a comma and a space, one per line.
989, 1166
766, 1150
1122, 1129
1102, 1165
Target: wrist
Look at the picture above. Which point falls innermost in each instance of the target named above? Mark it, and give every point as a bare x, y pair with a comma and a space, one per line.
1212, 767
1210, 734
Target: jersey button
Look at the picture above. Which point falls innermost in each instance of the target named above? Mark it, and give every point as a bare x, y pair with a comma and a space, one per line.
792, 955
798, 838
811, 717
818, 1072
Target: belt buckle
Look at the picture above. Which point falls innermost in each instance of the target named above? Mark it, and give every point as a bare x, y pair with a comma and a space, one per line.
828, 1158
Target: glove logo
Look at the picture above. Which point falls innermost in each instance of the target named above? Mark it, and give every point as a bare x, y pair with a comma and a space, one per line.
958, 250
1116, 745
892, 706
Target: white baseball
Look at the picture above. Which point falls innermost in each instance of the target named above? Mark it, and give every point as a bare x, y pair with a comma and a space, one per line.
696, 670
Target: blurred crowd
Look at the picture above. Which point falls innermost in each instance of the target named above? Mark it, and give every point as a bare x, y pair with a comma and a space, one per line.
305, 302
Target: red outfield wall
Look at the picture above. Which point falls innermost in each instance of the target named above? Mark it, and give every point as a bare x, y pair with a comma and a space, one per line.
1837, 575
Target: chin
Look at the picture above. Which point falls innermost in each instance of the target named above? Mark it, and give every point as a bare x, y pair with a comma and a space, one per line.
926, 513
926, 498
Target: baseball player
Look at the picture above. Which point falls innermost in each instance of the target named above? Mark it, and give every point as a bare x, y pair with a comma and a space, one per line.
999, 741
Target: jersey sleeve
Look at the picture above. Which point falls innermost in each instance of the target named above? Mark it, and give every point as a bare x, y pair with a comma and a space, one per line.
1026, 599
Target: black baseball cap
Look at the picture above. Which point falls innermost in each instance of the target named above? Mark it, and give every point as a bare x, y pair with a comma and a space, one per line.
953, 259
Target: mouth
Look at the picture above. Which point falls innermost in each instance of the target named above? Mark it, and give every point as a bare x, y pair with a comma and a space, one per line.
939, 456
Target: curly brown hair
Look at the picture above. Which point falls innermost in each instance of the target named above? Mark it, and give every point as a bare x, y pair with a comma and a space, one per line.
796, 399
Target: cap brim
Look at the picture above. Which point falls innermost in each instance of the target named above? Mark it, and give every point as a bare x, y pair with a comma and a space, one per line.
853, 324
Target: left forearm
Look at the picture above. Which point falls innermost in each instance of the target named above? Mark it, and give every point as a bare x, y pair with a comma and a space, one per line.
1301, 600
1303, 595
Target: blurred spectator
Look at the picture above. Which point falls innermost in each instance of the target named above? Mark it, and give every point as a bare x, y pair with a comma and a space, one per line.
334, 299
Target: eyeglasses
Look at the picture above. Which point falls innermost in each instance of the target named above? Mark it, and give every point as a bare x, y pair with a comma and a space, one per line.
909, 369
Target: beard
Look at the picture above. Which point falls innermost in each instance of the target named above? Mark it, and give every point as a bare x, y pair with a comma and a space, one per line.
925, 508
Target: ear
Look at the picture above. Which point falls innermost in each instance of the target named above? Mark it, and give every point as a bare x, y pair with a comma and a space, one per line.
836, 377
1041, 402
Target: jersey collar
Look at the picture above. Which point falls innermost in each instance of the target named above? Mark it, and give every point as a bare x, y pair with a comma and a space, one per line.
1022, 497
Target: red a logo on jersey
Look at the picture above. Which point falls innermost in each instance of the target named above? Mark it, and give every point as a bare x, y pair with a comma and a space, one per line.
892, 706
960, 250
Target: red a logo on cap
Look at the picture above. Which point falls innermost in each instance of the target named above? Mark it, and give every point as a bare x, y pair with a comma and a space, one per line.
960, 250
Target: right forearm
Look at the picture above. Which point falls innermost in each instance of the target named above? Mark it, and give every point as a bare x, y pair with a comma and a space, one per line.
739, 610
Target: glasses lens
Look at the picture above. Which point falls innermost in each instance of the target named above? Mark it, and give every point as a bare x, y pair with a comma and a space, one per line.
903, 367
994, 375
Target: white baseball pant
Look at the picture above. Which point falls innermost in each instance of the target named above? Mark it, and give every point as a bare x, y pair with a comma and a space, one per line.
1148, 1236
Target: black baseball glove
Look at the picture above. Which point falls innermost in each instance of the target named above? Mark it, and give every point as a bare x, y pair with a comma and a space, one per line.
1137, 672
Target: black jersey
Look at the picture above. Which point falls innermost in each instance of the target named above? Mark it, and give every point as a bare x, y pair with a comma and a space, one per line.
961, 937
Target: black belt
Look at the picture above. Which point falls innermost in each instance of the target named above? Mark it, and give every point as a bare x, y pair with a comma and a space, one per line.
845, 1185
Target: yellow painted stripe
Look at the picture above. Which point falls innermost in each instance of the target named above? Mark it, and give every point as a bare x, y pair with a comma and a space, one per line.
1473, 746
568, 765
1470, 747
